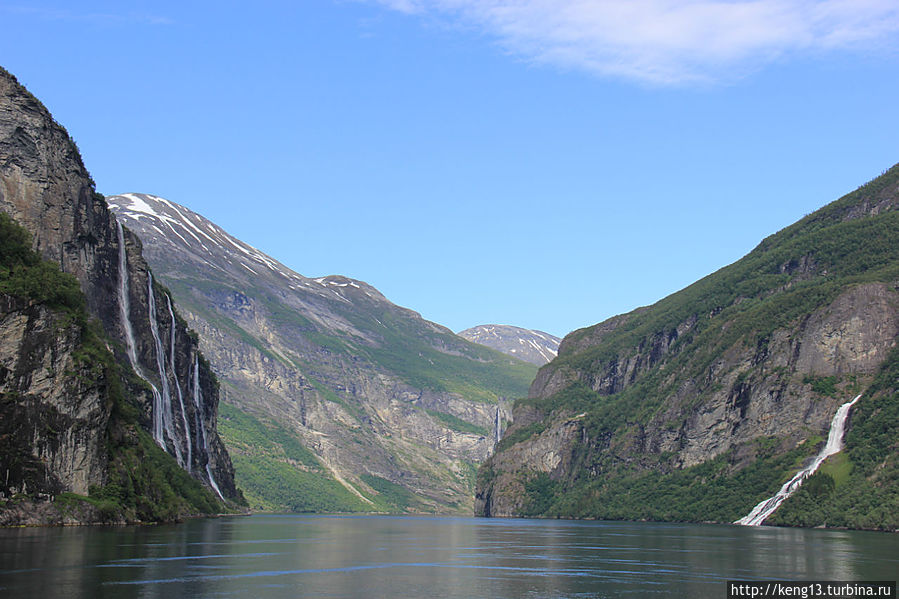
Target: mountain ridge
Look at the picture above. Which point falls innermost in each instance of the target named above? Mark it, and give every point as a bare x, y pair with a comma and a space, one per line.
535, 347
701, 405
394, 410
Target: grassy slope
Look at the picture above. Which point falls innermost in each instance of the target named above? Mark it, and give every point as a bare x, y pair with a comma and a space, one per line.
278, 474
754, 298
409, 350
406, 348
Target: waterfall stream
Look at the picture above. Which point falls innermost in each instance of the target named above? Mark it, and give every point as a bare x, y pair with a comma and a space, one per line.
162, 400
200, 429
160, 364
834, 444
130, 345
124, 298
187, 440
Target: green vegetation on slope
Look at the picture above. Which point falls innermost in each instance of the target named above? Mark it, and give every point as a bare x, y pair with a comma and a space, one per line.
439, 361
749, 300
276, 472
277, 486
756, 292
24, 273
457, 424
392, 495
406, 346
787, 277
144, 483
707, 492
858, 488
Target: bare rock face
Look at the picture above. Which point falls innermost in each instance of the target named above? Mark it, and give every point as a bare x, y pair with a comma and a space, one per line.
54, 411
45, 188
548, 453
748, 363
371, 388
851, 336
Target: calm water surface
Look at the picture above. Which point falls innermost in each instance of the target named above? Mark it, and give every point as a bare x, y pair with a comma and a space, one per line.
396, 557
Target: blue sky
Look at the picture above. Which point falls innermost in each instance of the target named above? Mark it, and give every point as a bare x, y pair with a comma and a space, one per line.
527, 162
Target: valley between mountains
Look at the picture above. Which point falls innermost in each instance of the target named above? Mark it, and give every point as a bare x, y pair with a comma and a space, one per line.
334, 399
153, 367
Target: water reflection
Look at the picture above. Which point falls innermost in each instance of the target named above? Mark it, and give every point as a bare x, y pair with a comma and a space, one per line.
333, 556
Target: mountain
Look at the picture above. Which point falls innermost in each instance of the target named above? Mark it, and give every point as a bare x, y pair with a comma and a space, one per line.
698, 407
335, 399
535, 347
108, 405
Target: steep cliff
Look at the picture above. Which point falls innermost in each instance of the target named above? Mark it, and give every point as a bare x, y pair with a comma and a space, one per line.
54, 413
699, 406
335, 398
46, 189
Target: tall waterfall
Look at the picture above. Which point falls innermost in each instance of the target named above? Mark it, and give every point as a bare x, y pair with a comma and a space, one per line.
200, 429
130, 345
834, 444
187, 440
160, 364
125, 299
162, 400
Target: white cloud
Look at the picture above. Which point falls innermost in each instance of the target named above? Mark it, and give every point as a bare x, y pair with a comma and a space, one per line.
668, 41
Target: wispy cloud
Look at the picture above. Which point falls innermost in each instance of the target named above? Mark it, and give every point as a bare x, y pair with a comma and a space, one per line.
669, 41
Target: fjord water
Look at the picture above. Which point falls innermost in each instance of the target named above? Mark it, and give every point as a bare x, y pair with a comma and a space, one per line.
274, 556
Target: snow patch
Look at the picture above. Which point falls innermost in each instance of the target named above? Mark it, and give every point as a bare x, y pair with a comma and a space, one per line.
137, 204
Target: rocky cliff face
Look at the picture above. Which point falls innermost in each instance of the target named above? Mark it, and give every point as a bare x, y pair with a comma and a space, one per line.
396, 410
45, 188
53, 423
744, 366
535, 347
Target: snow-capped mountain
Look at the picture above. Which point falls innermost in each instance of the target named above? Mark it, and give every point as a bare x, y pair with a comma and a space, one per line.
531, 346
373, 407
167, 226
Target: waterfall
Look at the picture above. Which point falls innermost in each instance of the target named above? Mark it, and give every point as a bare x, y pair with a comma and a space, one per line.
200, 428
130, 345
166, 411
162, 400
834, 444
497, 425
178, 387
124, 298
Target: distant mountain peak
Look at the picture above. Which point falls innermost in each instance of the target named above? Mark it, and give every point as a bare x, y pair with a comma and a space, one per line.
536, 347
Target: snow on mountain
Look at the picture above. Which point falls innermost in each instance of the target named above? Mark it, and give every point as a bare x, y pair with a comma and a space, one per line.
531, 346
